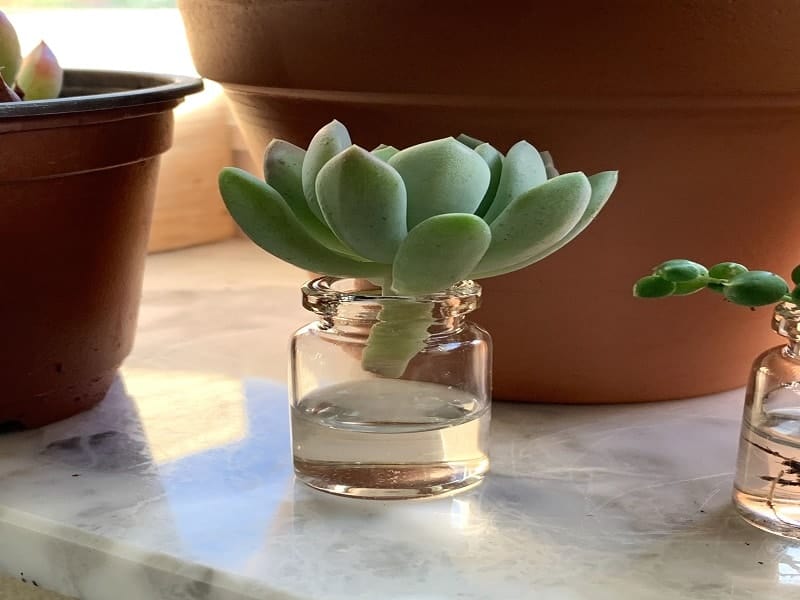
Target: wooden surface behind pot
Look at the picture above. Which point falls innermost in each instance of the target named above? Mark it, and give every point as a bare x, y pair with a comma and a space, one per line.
76, 194
694, 102
188, 209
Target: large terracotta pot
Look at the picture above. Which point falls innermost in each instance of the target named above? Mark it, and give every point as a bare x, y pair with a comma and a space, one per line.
77, 182
697, 103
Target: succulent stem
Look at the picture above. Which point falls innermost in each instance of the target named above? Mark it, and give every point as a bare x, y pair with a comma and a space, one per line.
397, 337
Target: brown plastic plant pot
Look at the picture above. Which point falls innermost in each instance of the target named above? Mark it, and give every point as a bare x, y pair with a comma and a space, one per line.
77, 182
697, 103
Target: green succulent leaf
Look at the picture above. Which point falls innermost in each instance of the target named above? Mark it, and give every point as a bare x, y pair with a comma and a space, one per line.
687, 288
469, 141
266, 218
796, 275
653, 286
756, 288
10, 56
726, 270
494, 160
523, 169
681, 270
535, 222
442, 176
40, 76
283, 168
363, 200
385, 152
603, 185
327, 143
439, 252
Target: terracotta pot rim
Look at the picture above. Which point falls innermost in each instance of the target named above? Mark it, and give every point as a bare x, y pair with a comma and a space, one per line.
93, 90
606, 103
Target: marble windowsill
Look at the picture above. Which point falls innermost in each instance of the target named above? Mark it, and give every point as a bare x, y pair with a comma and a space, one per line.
179, 485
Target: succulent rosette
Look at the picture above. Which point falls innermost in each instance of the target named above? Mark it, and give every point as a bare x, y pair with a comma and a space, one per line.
36, 77
413, 221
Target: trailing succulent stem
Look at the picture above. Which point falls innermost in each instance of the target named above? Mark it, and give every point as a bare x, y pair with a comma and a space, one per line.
738, 284
413, 221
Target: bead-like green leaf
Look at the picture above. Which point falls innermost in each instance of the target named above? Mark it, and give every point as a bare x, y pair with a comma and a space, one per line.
283, 170
363, 201
727, 270
494, 159
681, 270
756, 288
326, 143
653, 286
603, 185
442, 176
535, 221
439, 252
266, 218
687, 288
523, 169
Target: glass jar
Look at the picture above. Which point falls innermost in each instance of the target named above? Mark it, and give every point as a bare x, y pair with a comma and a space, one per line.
767, 485
390, 396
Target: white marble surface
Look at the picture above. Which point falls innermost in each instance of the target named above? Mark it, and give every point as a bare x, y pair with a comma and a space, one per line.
179, 485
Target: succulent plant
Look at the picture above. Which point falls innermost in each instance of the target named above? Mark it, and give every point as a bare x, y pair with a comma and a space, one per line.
36, 77
413, 221
737, 284
10, 54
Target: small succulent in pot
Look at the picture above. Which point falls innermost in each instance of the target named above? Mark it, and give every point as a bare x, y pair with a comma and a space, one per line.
36, 77
412, 221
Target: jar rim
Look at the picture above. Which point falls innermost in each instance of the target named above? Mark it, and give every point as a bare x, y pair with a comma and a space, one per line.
325, 294
357, 290
786, 320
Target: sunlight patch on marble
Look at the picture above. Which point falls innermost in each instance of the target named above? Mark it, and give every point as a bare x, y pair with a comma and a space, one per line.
176, 424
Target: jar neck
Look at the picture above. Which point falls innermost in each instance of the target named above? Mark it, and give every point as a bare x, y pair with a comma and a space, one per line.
792, 350
356, 321
786, 323
353, 307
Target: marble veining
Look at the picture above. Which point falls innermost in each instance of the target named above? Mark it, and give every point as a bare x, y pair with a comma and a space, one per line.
179, 485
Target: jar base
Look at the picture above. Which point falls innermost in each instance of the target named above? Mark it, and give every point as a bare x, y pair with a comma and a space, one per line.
391, 482
765, 515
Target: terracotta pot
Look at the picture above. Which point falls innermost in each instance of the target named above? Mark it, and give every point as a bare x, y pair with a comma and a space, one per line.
695, 102
77, 181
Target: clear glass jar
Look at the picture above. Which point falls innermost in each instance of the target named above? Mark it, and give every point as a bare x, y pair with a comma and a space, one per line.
767, 486
390, 396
